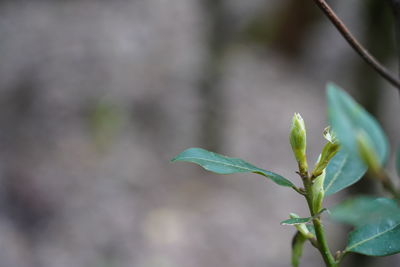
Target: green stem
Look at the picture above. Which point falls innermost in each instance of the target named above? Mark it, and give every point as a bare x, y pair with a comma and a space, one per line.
319, 230
323, 244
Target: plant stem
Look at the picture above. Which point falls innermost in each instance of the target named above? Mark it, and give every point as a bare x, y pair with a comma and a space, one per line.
319, 230
323, 244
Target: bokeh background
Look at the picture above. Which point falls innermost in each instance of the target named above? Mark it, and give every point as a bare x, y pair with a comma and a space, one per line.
97, 96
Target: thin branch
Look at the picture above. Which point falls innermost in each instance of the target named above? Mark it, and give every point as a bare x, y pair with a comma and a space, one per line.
341, 27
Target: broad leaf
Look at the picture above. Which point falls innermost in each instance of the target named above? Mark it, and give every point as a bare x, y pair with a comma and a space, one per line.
377, 222
363, 210
378, 239
348, 119
296, 221
224, 165
343, 170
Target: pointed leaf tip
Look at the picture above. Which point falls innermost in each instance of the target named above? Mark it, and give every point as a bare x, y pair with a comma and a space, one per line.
225, 165
296, 221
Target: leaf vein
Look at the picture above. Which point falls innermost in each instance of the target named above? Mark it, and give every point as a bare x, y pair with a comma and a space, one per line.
223, 163
369, 239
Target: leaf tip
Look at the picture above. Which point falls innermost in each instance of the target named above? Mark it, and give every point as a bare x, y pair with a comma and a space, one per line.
179, 156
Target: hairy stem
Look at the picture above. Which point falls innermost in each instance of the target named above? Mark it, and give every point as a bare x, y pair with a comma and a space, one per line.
355, 44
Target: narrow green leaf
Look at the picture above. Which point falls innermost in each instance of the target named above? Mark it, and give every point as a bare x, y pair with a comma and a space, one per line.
297, 248
296, 221
224, 165
348, 118
343, 170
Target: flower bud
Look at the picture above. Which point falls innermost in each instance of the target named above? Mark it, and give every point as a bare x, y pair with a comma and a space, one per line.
298, 142
367, 152
330, 149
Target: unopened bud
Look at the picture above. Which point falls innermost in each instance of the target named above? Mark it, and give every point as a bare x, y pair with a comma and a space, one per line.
298, 141
328, 152
367, 152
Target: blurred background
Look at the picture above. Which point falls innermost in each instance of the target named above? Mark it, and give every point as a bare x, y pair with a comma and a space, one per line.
97, 96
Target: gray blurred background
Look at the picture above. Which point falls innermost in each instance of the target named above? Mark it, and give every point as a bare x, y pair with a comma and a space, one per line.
97, 96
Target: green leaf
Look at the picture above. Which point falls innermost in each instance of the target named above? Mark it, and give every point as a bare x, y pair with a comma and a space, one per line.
297, 248
377, 222
296, 221
348, 119
224, 165
343, 170
363, 210
378, 239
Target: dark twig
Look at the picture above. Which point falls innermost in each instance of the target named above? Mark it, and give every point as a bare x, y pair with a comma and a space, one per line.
341, 27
